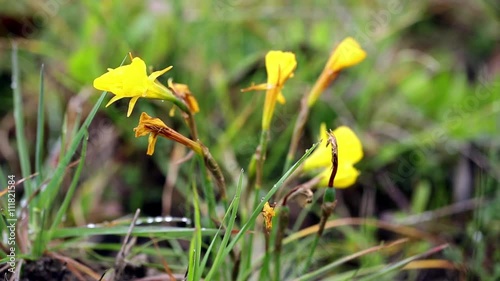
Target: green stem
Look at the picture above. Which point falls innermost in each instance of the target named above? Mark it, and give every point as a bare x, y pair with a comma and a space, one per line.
248, 244
311, 252
216, 172
284, 215
209, 194
22, 147
257, 210
39, 128
264, 271
260, 157
297, 131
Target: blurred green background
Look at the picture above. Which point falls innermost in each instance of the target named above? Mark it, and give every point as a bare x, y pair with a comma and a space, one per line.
425, 102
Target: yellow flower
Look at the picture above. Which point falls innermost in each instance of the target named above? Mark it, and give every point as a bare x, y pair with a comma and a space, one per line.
268, 213
155, 127
131, 81
182, 92
349, 152
346, 54
279, 66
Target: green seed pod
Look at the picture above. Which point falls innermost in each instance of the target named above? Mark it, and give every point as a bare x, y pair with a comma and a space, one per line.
329, 195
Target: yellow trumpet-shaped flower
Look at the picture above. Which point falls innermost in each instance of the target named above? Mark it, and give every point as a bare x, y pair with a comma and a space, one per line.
279, 66
349, 151
268, 213
132, 81
155, 127
346, 54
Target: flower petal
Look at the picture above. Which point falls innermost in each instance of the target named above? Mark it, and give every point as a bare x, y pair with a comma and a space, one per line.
124, 81
346, 54
281, 98
153, 76
131, 105
280, 66
346, 176
260, 87
113, 99
151, 143
350, 149
322, 156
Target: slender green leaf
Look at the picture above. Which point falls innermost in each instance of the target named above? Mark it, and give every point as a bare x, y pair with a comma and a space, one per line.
19, 119
39, 128
71, 190
268, 196
143, 231
49, 194
220, 255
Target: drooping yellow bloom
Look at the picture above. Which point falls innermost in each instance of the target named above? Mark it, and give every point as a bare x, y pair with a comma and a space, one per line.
182, 92
268, 213
155, 127
279, 66
349, 151
346, 54
132, 81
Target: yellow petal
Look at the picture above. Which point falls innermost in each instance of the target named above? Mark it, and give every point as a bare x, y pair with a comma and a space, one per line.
113, 99
349, 152
349, 145
346, 54
153, 76
131, 105
280, 66
125, 81
151, 143
192, 103
346, 176
281, 98
260, 87
322, 156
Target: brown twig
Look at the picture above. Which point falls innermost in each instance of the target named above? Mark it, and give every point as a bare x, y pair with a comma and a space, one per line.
120, 257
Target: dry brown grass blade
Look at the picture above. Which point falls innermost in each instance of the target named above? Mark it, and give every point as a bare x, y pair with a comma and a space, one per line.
407, 231
163, 261
162, 277
430, 263
120, 262
75, 266
176, 158
371, 250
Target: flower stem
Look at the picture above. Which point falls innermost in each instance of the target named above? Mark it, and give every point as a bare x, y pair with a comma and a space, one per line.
260, 157
215, 170
189, 117
254, 185
284, 216
297, 131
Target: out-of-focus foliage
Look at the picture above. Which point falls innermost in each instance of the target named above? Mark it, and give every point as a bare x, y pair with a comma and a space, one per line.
425, 102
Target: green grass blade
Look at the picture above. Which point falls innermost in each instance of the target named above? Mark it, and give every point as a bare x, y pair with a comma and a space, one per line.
49, 194
19, 119
143, 231
268, 196
74, 182
39, 243
398, 265
195, 247
220, 255
216, 236
39, 128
